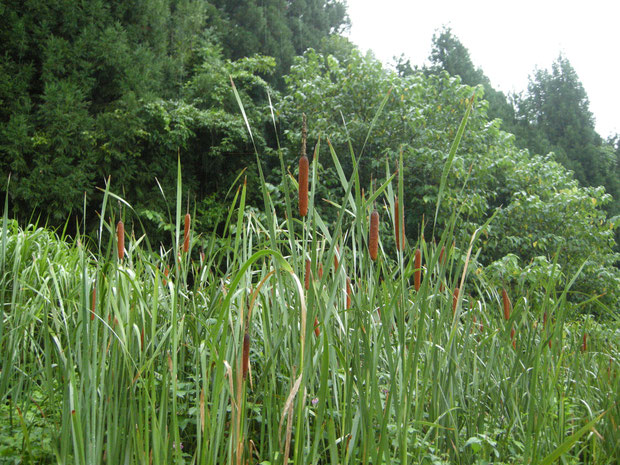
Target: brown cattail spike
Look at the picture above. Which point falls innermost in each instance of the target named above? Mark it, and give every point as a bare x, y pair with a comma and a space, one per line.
317, 331
120, 239
336, 258
417, 274
512, 336
455, 299
373, 240
584, 345
441, 255
399, 227
320, 271
188, 220
93, 303
246, 354
307, 275
304, 167
507, 304
349, 293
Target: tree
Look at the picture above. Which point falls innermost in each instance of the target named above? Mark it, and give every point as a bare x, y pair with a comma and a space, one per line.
555, 117
100, 90
278, 28
449, 54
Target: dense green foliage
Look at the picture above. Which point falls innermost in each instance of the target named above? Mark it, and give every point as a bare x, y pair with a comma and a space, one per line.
96, 90
278, 28
539, 209
552, 115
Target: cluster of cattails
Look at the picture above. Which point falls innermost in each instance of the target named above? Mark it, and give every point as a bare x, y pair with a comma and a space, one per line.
186, 231
120, 239
399, 227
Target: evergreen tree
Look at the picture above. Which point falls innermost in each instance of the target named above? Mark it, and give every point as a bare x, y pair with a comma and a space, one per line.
554, 116
449, 54
278, 28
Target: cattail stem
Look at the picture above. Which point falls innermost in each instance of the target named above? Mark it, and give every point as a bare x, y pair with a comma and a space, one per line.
373, 240
304, 167
188, 220
120, 239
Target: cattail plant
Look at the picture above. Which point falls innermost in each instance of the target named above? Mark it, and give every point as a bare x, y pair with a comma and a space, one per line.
418, 269
188, 220
307, 276
512, 337
399, 227
506, 303
320, 271
455, 300
120, 239
373, 239
93, 303
246, 355
584, 345
349, 293
317, 331
336, 258
441, 255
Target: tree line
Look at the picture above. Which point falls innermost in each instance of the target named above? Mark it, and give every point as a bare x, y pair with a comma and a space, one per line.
118, 90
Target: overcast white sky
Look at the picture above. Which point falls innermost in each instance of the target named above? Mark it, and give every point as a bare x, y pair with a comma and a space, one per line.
507, 39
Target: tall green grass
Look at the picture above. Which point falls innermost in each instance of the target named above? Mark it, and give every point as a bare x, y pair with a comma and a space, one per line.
108, 361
